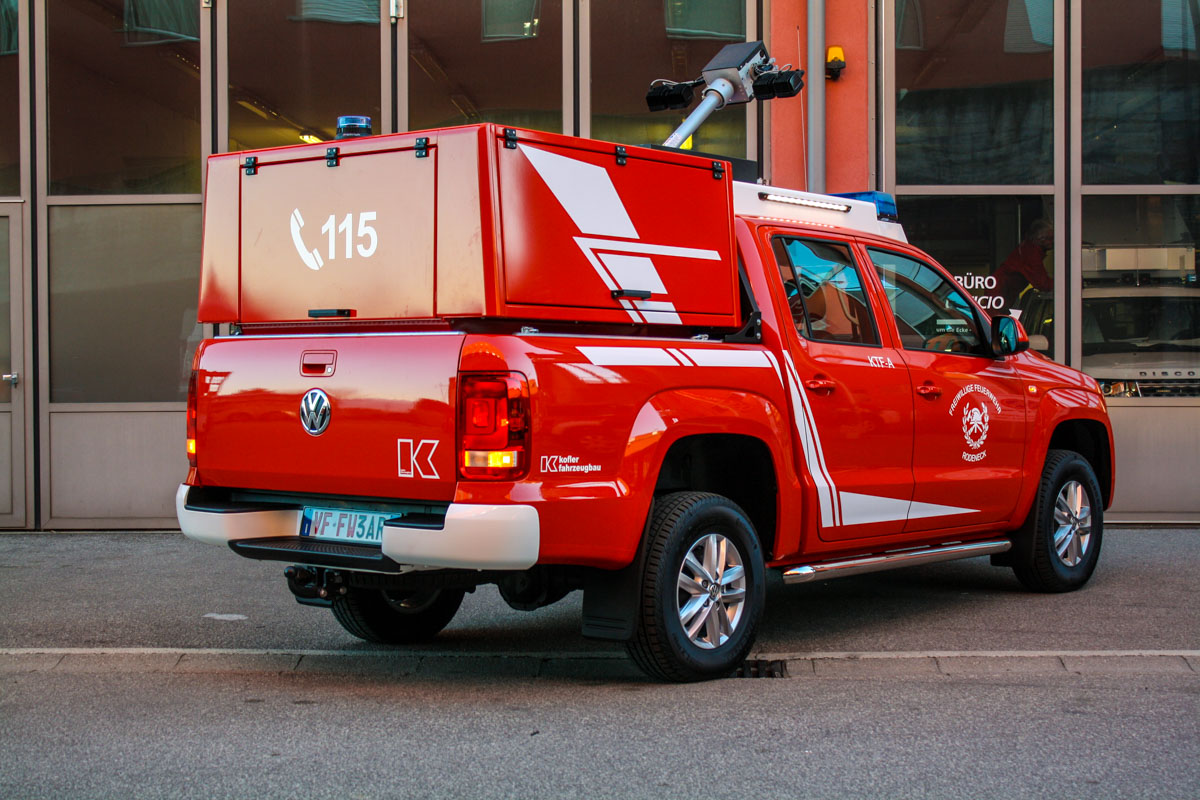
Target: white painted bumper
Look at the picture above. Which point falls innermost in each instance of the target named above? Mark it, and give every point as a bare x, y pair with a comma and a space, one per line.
474, 536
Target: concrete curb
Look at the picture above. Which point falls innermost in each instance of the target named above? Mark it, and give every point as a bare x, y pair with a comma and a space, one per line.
599, 666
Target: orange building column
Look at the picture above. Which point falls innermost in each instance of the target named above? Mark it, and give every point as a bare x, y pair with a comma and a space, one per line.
847, 108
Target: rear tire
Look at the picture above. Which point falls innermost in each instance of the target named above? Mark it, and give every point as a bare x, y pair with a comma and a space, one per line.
1057, 548
702, 589
396, 617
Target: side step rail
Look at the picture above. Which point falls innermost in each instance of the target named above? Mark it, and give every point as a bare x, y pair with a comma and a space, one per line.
907, 558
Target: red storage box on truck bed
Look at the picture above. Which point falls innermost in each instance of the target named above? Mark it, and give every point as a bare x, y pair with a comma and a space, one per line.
478, 221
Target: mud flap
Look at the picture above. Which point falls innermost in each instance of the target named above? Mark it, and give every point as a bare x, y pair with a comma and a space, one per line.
611, 597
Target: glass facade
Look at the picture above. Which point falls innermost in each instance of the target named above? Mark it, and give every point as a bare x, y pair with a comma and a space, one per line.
10, 100
123, 97
1141, 294
1141, 93
296, 65
123, 294
485, 61
974, 91
673, 40
998, 248
1056, 173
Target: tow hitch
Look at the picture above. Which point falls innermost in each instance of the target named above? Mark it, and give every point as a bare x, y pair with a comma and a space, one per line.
314, 587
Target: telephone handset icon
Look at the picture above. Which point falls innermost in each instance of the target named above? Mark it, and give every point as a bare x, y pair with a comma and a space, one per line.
312, 259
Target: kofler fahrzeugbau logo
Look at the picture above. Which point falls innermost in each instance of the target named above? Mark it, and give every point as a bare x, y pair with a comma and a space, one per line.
975, 418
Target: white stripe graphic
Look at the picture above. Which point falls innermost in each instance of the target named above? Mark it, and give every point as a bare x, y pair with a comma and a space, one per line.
628, 356
633, 272
658, 311
865, 509
675, 354
706, 357
610, 246
919, 510
585, 191
637, 356
813, 454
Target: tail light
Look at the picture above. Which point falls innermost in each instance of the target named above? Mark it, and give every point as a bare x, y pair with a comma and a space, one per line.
191, 420
493, 426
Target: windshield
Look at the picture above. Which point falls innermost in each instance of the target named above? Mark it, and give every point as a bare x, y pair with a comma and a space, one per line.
1141, 324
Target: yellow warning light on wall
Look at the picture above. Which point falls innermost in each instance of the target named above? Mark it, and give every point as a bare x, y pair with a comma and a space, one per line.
835, 62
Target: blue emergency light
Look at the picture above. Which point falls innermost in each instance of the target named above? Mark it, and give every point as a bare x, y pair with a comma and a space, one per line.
885, 204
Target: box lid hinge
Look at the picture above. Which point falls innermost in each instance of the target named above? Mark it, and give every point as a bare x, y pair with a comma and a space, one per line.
510, 139
251, 165
331, 156
718, 168
621, 156
422, 147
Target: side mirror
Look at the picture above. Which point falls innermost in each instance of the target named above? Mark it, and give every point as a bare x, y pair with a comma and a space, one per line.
1008, 337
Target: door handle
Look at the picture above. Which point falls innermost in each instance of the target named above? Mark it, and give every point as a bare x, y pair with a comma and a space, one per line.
820, 385
13, 378
929, 391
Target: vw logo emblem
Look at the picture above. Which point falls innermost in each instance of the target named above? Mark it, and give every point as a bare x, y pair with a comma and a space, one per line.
314, 412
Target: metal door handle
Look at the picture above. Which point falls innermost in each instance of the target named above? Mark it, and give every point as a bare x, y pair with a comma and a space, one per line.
13, 378
929, 391
820, 385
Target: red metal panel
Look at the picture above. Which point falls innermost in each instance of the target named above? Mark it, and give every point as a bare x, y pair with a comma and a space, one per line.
219, 254
391, 427
579, 227
356, 237
466, 223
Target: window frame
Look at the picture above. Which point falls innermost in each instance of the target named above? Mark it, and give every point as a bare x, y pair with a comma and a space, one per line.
778, 235
981, 319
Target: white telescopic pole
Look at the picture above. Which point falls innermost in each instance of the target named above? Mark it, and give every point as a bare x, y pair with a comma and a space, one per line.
718, 93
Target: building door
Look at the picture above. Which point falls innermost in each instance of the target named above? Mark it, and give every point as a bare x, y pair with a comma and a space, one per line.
12, 377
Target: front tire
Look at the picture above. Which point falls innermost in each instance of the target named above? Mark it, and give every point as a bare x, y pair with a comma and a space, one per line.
1057, 548
702, 589
396, 617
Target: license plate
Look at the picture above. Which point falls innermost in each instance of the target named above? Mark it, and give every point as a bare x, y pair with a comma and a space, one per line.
343, 525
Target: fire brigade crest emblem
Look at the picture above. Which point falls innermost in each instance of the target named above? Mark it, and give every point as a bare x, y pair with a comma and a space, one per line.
975, 425
976, 418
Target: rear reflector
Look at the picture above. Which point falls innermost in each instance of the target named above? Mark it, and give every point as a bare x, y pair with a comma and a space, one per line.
493, 425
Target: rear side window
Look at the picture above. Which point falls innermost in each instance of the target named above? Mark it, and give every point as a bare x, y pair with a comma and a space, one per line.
825, 291
931, 312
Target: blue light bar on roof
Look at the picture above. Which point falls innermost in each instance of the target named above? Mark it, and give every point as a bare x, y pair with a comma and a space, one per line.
885, 204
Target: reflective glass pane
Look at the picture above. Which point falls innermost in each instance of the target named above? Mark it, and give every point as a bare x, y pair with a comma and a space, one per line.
1141, 294
974, 91
10, 101
931, 312
123, 293
1000, 249
638, 41
123, 96
296, 65
5, 307
825, 285
1141, 92
485, 61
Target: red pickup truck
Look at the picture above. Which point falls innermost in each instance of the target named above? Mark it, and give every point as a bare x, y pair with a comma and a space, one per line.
489, 355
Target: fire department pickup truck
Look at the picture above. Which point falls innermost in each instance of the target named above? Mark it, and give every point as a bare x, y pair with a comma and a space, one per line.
486, 355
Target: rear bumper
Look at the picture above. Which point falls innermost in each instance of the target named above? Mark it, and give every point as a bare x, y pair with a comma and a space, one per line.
473, 537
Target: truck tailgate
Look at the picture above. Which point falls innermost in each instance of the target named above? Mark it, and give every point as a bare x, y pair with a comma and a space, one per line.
390, 424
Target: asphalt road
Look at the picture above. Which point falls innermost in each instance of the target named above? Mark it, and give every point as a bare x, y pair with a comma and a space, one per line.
145, 665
